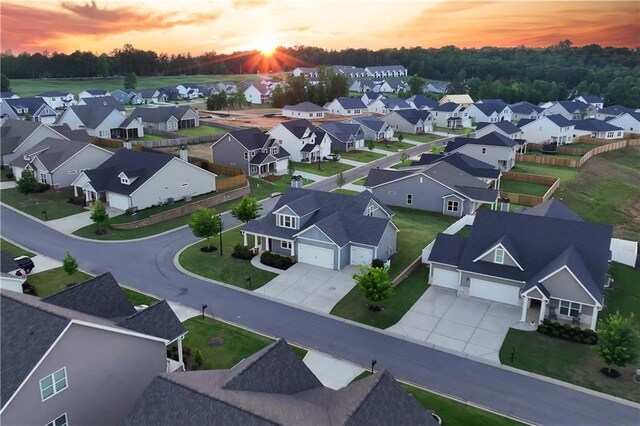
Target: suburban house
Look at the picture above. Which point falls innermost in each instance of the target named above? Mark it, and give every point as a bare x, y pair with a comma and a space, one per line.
127, 96
152, 96
421, 102
188, 90
19, 136
364, 86
386, 71
594, 100
36, 108
545, 259
257, 93
486, 112
304, 110
302, 140
436, 87
549, 128
438, 187
346, 106
493, 148
344, 137
82, 354
8, 95
274, 387
504, 127
371, 96
597, 129
102, 122
326, 229
167, 119
450, 115
383, 106
171, 93
612, 112
92, 93
463, 100
525, 110
349, 70
11, 275
374, 128
58, 162
393, 86
137, 180
476, 168
628, 121
107, 100
306, 71
254, 152
57, 100
73, 135
410, 121
571, 110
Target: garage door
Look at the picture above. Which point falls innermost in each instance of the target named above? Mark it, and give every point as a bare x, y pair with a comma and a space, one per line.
360, 255
493, 291
315, 256
445, 278
118, 201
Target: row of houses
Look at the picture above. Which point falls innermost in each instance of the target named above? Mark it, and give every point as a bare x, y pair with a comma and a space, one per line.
350, 71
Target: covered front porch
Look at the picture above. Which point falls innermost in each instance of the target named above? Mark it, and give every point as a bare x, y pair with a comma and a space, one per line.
536, 309
454, 123
263, 164
311, 154
267, 243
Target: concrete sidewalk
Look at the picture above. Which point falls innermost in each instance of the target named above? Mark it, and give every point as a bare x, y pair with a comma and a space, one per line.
313, 177
7, 185
353, 187
332, 372
351, 162
70, 224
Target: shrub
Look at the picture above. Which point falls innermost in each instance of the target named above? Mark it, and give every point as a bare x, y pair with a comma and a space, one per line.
78, 201
555, 333
543, 329
546, 322
198, 358
576, 338
276, 261
10, 175
242, 252
377, 263
567, 328
194, 366
29, 289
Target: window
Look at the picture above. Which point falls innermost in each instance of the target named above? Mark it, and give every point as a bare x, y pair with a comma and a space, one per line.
571, 309
124, 181
43, 177
498, 256
370, 210
53, 384
409, 199
274, 150
609, 134
453, 206
246, 155
285, 244
483, 150
60, 421
286, 221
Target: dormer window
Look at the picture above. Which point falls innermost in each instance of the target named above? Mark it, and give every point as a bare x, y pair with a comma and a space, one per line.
498, 256
286, 221
124, 180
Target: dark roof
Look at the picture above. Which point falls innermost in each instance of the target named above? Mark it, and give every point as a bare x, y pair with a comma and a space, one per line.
53, 93
560, 120
92, 116
525, 107
80, 135
489, 108
276, 388
157, 320
490, 139
615, 110
138, 164
412, 116
5, 95
525, 121
96, 92
591, 99
373, 95
422, 101
341, 131
252, 138
351, 103
552, 208
299, 127
262, 158
305, 106
463, 162
447, 249
31, 104
446, 107
14, 132
377, 177
572, 106
52, 152
593, 125
498, 102
100, 296
27, 333
161, 114
370, 122
107, 101
392, 103
505, 126
7, 263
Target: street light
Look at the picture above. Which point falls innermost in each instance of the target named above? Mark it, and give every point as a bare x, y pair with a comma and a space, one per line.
373, 362
220, 219
203, 308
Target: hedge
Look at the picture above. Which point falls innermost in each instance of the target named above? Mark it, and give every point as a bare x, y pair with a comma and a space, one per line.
242, 252
276, 261
568, 332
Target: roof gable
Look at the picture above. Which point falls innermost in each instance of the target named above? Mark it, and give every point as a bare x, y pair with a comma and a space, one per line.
157, 320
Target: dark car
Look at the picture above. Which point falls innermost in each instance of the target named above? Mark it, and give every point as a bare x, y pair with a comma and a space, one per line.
25, 263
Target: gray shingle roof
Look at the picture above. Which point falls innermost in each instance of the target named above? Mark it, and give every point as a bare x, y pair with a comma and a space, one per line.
52, 152
489, 108
615, 110
108, 101
299, 127
14, 132
525, 108
161, 114
447, 249
505, 126
422, 101
252, 138
342, 131
370, 122
379, 176
80, 135
560, 120
304, 106
7, 264
157, 320
395, 103
463, 162
52, 94
92, 116
573, 107
446, 107
33, 105
553, 208
593, 125
490, 139
96, 92
351, 103
412, 116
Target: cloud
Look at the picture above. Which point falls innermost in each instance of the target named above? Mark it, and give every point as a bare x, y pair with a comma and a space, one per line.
239, 4
33, 28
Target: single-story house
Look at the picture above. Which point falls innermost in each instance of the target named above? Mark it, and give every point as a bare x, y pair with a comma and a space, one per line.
169, 118
254, 152
385, 105
463, 100
438, 187
344, 137
307, 110
102, 122
302, 140
58, 162
628, 121
493, 148
410, 121
325, 229
374, 128
545, 259
127, 96
479, 169
137, 180
597, 129
19, 136
346, 106
36, 108
547, 128
107, 100
422, 102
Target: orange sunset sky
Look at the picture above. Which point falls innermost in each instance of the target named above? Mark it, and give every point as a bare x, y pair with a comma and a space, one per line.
225, 26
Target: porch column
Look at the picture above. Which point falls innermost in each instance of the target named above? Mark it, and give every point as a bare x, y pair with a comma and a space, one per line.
525, 306
255, 241
87, 196
266, 244
244, 238
594, 318
293, 249
180, 360
543, 308
75, 191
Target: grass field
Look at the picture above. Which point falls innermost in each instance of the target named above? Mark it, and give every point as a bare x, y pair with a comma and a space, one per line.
327, 168
363, 156
194, 132
355, 306
13, 249
55, 280
54, 202
523, 187
565, 156
419, 138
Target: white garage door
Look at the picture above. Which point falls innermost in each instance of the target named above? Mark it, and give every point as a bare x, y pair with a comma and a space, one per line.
315, 256
493, 291
445, 278
118, 201
360, 255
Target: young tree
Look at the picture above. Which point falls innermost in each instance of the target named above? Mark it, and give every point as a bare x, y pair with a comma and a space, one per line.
404, 156
400, 137
340, 180
290, 168
416, 83
247, 209
5, 83
371, 145
27, 182
374, 283
238, 100
69, 264
205, 223
99, 215
217, 101
435, 149
130, 80
617, 341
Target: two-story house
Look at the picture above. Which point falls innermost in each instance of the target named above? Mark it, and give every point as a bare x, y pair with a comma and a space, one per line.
450, 115
549, 128
493, 148
344, 137
102, 122
422, 102
374, 128
628, 121
506, 128
524, 110
385, 105
34, 109
302, 140
571, 110
410, 121
612, 111
325, 229
484, 171
19, 136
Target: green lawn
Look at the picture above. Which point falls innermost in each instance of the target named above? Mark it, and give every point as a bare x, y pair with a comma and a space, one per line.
355, 306
419, 138
574, 362
150, 137
417, 229
363, 156
224, 268
523, 187
464, 232
565, 156
394, 146
327, 168
345, 191
401, 164
54, 202
54, 280
201, 131
450, 411
138, 298
564, 173
582, 145
360, 181
14, 250
447, 130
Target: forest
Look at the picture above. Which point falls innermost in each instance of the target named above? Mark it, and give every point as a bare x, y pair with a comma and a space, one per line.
513, 74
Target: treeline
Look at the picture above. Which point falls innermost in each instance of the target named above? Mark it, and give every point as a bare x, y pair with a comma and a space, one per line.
298, 89
511, 72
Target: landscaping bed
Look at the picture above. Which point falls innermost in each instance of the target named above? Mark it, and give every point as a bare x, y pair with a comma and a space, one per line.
54, 201
527, 188
327, 168
363, 156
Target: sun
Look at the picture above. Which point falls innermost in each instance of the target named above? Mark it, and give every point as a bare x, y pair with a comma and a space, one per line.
267, 45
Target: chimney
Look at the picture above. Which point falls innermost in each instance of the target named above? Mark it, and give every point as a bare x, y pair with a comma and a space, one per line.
296, 181
139, 119
126, 144
504, 204
184, 153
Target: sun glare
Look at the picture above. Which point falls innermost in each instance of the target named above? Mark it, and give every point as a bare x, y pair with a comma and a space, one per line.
266, 45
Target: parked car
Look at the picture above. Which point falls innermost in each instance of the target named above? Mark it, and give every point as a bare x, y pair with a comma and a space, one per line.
333, 157
25, 263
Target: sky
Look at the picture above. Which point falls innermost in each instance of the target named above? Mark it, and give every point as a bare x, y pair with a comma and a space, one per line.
225, 26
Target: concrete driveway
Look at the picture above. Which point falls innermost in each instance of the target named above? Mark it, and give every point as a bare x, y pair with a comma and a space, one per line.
464, 324
69, 224
310, 286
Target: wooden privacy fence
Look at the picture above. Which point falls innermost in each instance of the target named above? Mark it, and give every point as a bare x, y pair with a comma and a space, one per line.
526, 199
186, 209
231, 182
577, 162
177, 141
